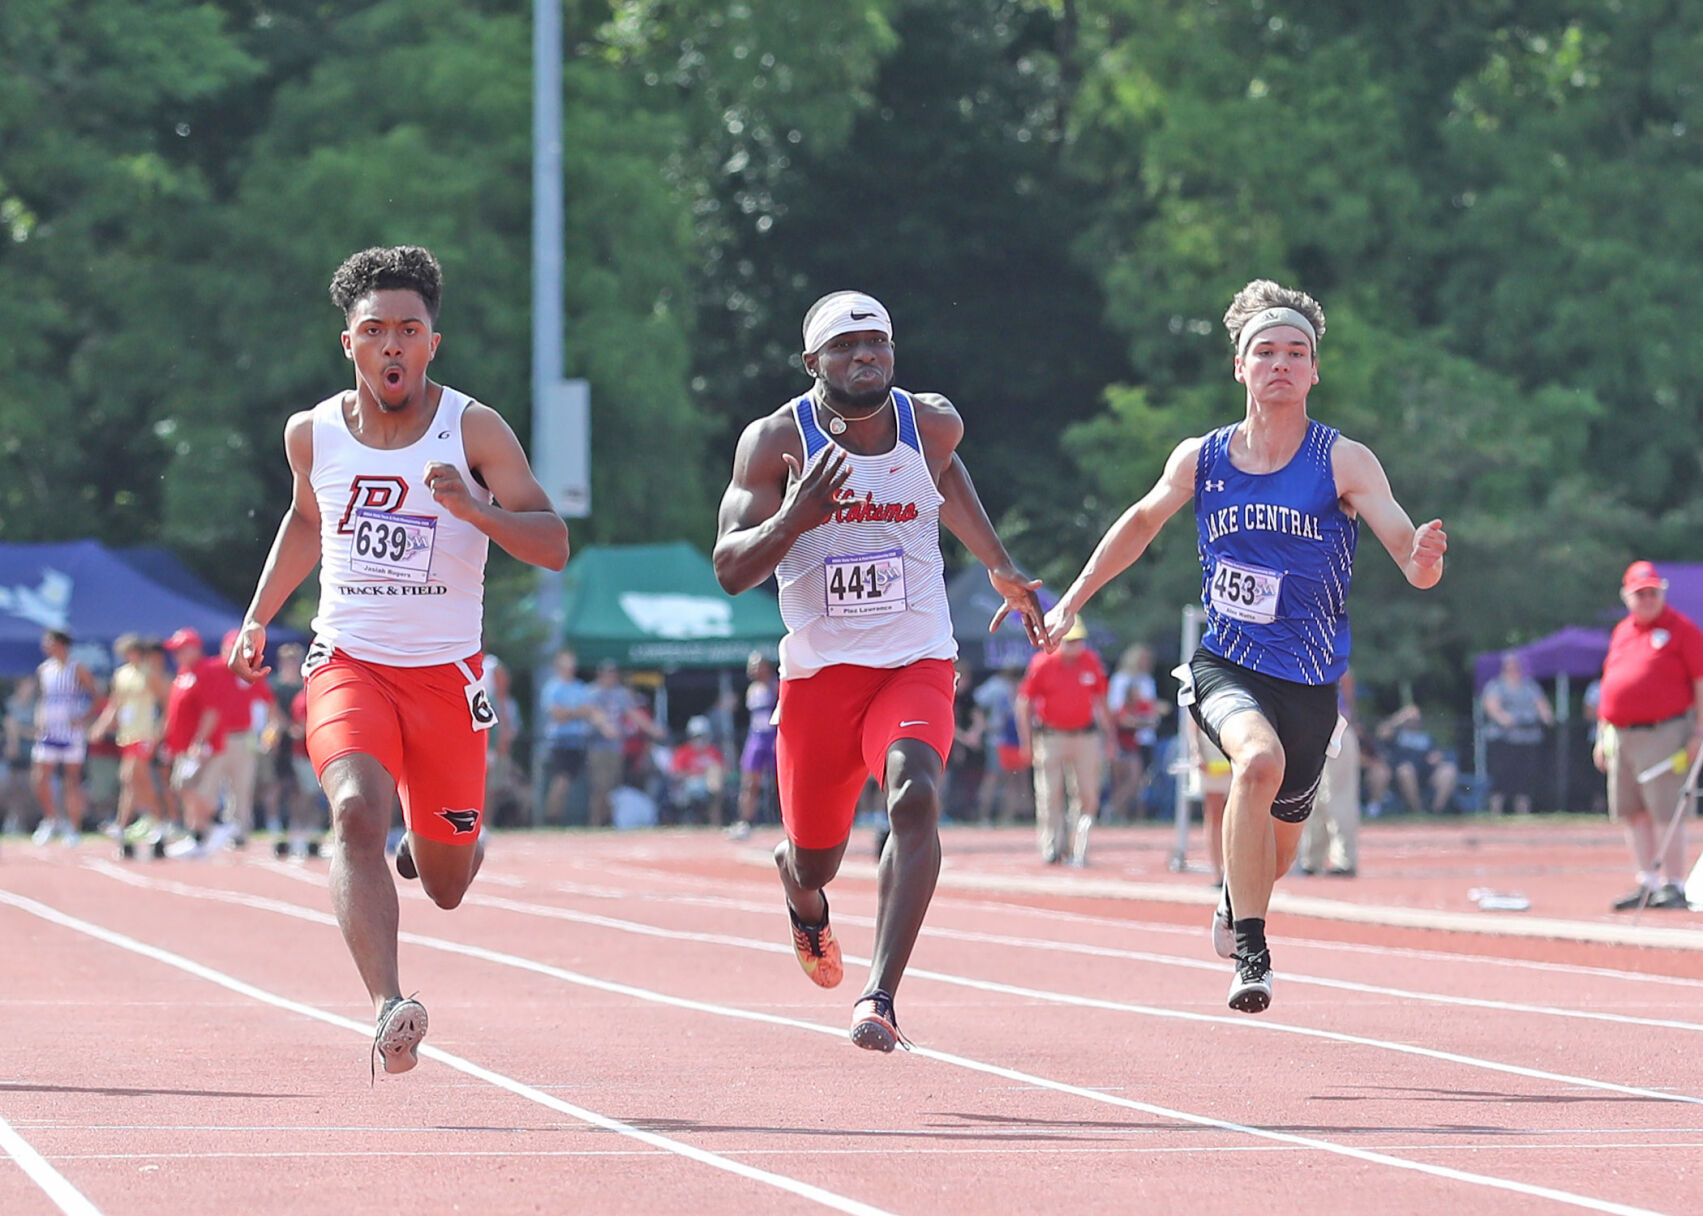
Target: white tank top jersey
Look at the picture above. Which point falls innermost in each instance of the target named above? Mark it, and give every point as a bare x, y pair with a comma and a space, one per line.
401, 581
867, 587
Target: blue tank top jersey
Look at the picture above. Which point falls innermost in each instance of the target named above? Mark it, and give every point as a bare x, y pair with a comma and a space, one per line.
1276, 557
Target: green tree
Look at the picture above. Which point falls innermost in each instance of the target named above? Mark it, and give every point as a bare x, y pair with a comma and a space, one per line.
99, 198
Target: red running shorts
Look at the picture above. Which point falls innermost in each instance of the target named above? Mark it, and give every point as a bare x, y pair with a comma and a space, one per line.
835, 728
416, 722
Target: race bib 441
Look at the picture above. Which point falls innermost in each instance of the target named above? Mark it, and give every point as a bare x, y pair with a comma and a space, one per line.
866, 584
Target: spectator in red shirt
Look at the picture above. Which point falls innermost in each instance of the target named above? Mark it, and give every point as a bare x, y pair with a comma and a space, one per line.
1063, 723
249, 708
195, 732
697, 773
1652, 685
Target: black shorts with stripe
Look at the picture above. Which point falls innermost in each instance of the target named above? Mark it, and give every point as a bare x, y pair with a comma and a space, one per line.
1302, 715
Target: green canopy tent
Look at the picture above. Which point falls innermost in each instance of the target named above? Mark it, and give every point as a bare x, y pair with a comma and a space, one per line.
659, 606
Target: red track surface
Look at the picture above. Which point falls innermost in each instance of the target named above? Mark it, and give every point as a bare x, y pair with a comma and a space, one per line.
618, 1026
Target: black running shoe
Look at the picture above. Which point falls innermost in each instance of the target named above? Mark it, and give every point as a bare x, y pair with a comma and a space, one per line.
1670, 896
1250, 990
1643, 897
405, 861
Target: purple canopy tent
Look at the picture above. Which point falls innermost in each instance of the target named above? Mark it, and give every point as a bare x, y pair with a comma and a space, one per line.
1576, 653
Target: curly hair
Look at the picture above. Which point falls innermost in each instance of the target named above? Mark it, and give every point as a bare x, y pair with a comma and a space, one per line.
397, 268
1262, 294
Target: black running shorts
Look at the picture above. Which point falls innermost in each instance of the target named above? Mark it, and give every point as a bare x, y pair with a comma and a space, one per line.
1303, 715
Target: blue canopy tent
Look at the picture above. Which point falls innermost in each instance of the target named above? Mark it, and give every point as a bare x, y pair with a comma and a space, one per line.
95, 594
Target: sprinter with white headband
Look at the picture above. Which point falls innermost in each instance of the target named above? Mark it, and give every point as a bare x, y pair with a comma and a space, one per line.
1277, 497
840, 494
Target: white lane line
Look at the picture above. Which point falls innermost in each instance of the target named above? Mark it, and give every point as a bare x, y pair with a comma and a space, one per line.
804, 1190
1025, 1136
1089, 1094
1053, 946
1046, 996
950, 900
66, 1198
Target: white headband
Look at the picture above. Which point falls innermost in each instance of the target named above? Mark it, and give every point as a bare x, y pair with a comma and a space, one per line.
845, 312
1270, 319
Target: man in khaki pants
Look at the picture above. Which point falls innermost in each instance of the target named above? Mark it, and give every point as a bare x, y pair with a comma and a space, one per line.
1648, 733
1062, 721
1330, 843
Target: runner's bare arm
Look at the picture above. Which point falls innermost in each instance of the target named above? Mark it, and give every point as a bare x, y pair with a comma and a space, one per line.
295, 552
1365, 490
941, 428
1128, 538
771, 501
522, 519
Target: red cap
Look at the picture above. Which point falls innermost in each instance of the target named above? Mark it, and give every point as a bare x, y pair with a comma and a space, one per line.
1641, 576
229, 641
184, 637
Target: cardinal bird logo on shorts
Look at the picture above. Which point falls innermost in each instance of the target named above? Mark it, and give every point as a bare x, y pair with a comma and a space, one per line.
462, 822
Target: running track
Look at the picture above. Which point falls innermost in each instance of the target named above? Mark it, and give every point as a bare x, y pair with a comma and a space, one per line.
618, 1027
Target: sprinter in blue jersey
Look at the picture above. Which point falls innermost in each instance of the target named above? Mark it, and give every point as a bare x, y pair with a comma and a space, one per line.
1277, 500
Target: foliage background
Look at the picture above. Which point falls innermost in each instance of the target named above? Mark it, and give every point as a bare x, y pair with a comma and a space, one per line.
1500, 203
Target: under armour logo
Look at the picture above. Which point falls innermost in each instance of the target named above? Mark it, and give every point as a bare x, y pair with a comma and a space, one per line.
861, 316
1211, 485
462, 822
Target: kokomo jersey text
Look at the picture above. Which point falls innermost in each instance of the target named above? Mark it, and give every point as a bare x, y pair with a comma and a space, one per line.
1276, 557
401, 581
867, 586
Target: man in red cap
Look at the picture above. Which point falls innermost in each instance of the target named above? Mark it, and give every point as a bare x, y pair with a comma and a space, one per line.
1652, 684
195, 733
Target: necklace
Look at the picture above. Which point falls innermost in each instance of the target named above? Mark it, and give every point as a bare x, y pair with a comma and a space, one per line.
837, 424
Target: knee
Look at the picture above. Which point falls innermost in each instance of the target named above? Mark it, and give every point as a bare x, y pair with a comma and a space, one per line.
1261, 771
445, 895
811, 869
914, 804
358, 822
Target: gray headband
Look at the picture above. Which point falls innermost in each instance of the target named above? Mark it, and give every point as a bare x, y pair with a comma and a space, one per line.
1271, 318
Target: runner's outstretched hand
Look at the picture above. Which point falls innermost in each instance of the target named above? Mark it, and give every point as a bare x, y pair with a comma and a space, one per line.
1018, 591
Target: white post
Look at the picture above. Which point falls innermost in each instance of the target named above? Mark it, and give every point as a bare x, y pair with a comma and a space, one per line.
1186, 762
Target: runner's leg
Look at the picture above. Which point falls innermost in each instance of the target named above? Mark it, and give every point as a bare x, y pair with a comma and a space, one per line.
362, 893
910, 863
1250, 839
446, 870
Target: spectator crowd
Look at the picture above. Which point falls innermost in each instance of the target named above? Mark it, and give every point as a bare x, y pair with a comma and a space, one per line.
168, 753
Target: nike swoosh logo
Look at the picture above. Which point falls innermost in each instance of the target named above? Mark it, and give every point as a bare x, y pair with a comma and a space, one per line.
918, 722
861, 316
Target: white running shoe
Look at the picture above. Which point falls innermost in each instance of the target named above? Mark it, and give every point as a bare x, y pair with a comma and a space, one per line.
220, 836
184, 846
43, 833
1223, 931
401, 1027
739, 830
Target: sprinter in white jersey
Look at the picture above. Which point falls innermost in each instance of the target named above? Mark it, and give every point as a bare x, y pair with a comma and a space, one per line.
1277, 498
398, 486
840, 494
